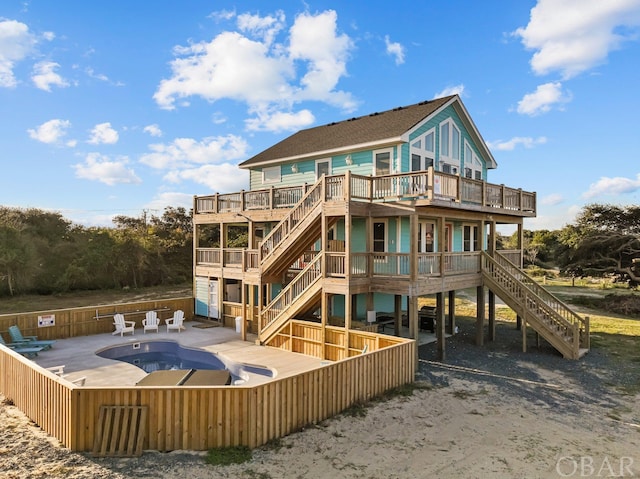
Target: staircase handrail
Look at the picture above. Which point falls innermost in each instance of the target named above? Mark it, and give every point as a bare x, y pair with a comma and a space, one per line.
285, 298
533, 301
281, 231
560, 307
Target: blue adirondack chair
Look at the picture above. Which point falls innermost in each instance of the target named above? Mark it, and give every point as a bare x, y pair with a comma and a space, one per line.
27, 351
18, 338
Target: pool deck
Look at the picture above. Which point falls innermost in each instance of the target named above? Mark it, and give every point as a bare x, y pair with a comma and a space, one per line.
80, 361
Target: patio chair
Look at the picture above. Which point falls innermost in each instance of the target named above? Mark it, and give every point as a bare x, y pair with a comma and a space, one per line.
150, 322
26, 351
33, 341
122, 326
176, 321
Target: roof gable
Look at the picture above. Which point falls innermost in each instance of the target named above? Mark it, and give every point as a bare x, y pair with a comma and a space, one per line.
372, 129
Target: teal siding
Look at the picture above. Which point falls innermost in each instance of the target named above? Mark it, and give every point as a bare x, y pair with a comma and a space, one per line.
362, 164
434, 123
405, 235
358, 235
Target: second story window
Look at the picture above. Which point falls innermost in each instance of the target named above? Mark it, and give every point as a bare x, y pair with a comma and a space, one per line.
382, 162
472, 164
423, 151
271, 174
450, 143
323, 167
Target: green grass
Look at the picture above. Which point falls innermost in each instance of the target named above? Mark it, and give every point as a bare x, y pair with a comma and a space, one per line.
225, 456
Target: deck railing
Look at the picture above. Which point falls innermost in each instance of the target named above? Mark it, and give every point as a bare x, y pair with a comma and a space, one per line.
428, 184
225, 415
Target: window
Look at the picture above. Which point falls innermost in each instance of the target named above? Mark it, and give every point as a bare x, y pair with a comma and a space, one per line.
382, 163
472, 164
426, 236
379, 236
444, 139
423, 151
271, 174
323, 167
470, 238
450, 142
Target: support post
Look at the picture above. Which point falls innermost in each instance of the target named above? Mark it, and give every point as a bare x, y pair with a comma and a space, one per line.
451, 326
440, 333
397, 309
492, 316
480, 315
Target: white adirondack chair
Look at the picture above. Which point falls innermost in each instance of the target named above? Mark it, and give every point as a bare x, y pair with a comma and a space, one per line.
176, 321
150, 322
122, 326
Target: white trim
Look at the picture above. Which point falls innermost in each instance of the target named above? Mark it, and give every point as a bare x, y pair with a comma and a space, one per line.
323, 160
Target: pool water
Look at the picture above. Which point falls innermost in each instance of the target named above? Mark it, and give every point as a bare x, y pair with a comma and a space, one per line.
153, 356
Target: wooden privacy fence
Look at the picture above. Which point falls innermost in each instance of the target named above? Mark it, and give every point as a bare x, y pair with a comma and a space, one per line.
85, 321
203, 417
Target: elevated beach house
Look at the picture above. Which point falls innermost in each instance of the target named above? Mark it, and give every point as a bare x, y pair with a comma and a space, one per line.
347, 225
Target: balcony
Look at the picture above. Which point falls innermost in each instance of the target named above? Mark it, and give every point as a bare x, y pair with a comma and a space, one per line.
425, 187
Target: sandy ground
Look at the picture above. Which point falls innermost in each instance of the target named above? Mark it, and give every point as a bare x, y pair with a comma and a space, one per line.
465, 427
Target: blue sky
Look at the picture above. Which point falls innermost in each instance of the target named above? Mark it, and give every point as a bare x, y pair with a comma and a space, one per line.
114, 108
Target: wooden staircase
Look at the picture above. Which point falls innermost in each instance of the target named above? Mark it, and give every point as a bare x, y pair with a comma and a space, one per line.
294, 233
565, 330
294, 297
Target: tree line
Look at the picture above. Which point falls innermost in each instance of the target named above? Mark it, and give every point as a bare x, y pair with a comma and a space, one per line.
42, 252
603, 241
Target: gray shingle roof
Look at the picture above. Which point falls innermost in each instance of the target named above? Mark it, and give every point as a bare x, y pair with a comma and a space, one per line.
354, 131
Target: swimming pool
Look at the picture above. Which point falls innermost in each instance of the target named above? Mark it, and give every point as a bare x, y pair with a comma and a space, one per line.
153, 356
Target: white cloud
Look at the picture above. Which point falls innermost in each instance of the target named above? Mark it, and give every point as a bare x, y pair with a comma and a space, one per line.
509, 145
49, 36
394, 49
44, 76
572, 36
552, 199
103, 133
187, 152
265, 28
16, 43
98, 76
51, 131
153, 130
161, 201
221, 178
101, 168
280, 121
226, 66
314, 39
612, 186
222, 15
451, 90
543, 99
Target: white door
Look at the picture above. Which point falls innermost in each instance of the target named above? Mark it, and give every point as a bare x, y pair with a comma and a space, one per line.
213, 299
